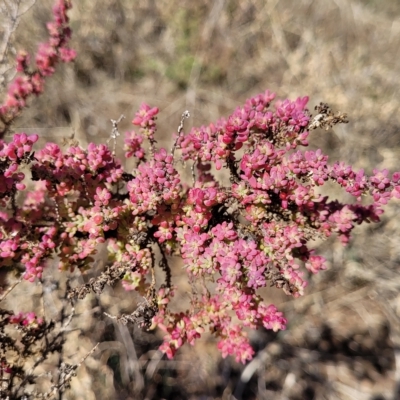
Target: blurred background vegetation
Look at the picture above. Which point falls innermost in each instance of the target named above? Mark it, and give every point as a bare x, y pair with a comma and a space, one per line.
343, 336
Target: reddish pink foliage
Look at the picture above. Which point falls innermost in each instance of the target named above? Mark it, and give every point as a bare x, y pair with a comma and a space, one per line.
233, 239
49, 54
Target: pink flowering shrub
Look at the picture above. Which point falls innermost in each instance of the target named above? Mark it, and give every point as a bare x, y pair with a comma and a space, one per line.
233, 239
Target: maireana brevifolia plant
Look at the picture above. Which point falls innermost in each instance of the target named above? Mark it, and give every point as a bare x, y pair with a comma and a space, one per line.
233, 238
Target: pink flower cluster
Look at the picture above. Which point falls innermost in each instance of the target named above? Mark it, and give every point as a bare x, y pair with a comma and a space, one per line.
145, 118
156, 184
13, 155
28, 319
49, 54
133, 145
214, 313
